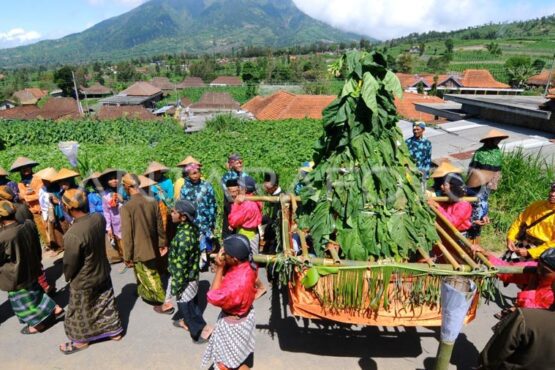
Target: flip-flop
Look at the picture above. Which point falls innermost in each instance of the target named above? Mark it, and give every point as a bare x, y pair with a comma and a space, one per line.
69, 348
167, 312
60, 314
25, 330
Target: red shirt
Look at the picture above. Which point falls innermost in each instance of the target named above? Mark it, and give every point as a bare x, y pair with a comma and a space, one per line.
236, 293
458, 213
541, 297
247, 215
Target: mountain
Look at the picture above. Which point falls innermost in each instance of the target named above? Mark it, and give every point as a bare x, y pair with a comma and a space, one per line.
174, 26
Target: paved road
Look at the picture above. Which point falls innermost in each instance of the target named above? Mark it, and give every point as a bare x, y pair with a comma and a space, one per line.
281, 342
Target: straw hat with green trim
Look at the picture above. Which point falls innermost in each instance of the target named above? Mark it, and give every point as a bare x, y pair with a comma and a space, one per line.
444, 169
187, 161
155, 167
22, 162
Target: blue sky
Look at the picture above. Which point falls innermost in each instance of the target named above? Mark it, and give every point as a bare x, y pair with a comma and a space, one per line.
27, 21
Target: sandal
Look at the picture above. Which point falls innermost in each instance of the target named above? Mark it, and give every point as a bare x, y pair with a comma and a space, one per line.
158, 309
59, 314
117, 338
70, 347
27, 331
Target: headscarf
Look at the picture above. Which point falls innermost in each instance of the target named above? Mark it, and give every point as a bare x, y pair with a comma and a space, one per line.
74, 199
191, 167
420, 124
233, 157
548, 258
6, 193
248, 184
186, 208
7, 209
238, 246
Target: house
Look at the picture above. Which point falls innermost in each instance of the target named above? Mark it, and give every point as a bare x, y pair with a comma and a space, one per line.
227, 81
22, 112
140, 93
471, 81
29, 96
286, 105
406, 107
6, 104
541, 79
214, 102
95, 91
60, 108
191, 82
163, 83
110, 112
185, 102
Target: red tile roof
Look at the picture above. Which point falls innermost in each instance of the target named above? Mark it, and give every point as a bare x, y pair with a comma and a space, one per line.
29, 96
163, 83
191, 82
37, 93
185, 102
110, 112
541, 78
481, 78
96, 89
23, 112
216, 100
551, 93
406, 109
58, 108
227, 80
285, 105
141, 88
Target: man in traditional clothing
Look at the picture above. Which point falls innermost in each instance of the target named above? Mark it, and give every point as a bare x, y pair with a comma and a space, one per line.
523, 340
484, 173
230, 180
20, 267
420, 149
201, 194
29, 187
91, 312
145, 242
534, 229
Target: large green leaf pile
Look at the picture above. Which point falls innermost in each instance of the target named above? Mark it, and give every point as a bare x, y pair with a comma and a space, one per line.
364, 192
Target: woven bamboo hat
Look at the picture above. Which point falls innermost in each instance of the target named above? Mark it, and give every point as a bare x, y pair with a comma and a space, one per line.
494, 134
65, 174
187, 161
6, 208
445, 168
145, 182
3, 172
6, 193
22, 162
47, 174
92, 176
110, 171
155, 167
74, 199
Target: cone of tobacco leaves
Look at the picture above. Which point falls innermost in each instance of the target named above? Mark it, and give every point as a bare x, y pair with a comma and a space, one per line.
364, 192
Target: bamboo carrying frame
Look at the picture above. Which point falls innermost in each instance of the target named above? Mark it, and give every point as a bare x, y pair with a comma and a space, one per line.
457, 260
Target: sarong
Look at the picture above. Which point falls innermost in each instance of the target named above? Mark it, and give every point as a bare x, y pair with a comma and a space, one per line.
92, 314
231, 342
149, 283
31, 305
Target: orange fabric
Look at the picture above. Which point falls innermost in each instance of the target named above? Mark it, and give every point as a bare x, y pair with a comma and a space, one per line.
31, 195
305, 304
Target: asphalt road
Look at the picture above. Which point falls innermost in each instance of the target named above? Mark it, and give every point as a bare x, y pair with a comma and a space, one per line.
282, 342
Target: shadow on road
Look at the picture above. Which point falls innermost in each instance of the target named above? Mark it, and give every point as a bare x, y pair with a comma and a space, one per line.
465, 355
126, 301
5, 311
54, 272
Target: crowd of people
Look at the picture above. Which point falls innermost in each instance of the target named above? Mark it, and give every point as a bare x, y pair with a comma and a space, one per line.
162, 230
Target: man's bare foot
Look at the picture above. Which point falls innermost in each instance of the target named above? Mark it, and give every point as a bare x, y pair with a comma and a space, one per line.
206, 332
180, 324
260, 291
116, 338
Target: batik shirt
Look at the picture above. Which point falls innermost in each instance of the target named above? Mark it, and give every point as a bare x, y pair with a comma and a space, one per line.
421, 152
183, 257
202, 196
489, 159
232, 175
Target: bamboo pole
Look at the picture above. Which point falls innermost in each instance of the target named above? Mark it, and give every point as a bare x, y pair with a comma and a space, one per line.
461, 237
285, 215
447, 199
304, 245
276, 199
449, 257
426, 256
456, 247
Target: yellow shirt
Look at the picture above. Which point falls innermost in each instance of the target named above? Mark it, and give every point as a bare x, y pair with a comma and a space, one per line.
177, 188
545, 230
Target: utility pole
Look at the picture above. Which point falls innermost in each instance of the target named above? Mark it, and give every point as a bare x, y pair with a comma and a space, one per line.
79, 107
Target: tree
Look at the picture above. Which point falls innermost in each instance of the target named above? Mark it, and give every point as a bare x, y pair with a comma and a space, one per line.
519, 69
405, 63
126, 72
63, 78
449, 45
494, 48
538, 65
421, 48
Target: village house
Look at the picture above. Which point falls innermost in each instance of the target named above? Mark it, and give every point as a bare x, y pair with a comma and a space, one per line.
140, 93
60, 108
227, 81
29, 96
542, 78
191, 82
163, 83
22, 112
214, 102
471, 81
286, 105
95, 91
110, 112
406, 107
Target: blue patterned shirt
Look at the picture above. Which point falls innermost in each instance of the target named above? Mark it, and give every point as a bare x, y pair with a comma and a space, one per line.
202, 196
421, 152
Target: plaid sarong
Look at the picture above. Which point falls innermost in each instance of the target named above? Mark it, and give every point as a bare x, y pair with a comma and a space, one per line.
31, 305
149, 283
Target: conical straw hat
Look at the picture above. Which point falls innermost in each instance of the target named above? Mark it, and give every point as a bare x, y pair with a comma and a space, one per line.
3, 172
445, 168
108, 171
65, 174
494, 134
47, 174
187, 161
145, 182
155, 167
92, 176
21, 162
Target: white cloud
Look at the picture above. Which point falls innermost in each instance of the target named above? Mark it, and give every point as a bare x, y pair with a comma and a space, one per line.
386, 19
17, 37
